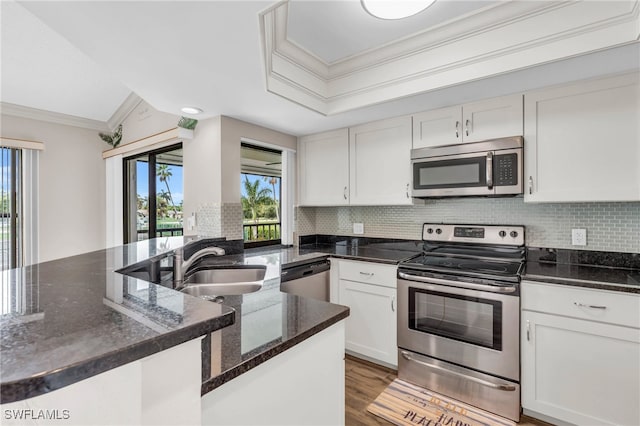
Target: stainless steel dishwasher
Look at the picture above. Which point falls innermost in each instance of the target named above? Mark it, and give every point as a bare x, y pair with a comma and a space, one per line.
308, 280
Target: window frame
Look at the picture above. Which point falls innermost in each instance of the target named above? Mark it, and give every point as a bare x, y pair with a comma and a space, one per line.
152, 206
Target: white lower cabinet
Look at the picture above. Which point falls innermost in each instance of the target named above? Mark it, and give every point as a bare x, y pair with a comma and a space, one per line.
163, 388
579, 364
303, 385
371, 325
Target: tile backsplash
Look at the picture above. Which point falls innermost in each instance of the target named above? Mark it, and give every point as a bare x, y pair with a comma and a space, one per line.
610, 226
220, 220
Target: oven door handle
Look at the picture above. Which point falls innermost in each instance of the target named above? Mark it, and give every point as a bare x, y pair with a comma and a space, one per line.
470, 286
442, 370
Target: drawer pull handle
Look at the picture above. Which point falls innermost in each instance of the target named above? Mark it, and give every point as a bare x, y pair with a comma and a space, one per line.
582, 305
368, 274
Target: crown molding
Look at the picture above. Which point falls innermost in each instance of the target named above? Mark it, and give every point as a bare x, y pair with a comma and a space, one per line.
500, 38
52, 117
123, 111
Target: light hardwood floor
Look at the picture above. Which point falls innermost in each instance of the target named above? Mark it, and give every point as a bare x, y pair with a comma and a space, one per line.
365, 381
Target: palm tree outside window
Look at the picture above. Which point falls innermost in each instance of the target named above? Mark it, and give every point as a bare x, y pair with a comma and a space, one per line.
260, 186
153, 194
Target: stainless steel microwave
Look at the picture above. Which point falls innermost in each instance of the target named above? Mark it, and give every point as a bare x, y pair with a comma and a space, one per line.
488, 168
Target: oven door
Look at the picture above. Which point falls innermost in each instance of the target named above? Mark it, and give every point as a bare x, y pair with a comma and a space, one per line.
453, 175
465, 326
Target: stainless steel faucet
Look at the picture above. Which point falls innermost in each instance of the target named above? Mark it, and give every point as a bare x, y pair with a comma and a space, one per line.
180, 265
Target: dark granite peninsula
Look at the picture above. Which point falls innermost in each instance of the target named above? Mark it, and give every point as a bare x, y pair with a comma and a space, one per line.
70, 319
95, 335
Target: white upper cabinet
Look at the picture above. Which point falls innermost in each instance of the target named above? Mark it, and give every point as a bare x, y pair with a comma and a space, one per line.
437, 127
363, 165
379, 162
493, 118
582, 142
323, 169
473, 122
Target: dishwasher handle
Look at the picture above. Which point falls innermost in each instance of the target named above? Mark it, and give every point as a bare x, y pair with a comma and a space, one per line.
305, 270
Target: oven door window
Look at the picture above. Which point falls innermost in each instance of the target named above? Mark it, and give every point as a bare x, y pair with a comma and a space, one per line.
467, 319
460, 172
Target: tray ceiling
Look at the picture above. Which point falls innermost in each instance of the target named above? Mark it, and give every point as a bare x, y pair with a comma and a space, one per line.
335, 30
497, 38
87, 55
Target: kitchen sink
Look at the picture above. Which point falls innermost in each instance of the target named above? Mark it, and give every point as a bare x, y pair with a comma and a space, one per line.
226, 274
222, 281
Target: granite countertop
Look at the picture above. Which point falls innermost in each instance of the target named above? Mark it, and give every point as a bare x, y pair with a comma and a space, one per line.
597, 277
592, 269
377, 250
70, 319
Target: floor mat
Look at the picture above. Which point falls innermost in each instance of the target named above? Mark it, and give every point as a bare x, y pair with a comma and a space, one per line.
404, 404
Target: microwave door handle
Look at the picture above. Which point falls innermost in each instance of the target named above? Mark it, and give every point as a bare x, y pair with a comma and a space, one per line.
490, 170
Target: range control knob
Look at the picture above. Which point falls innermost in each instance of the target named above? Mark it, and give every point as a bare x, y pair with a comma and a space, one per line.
429, 230
438, 231
502, 234
513, 234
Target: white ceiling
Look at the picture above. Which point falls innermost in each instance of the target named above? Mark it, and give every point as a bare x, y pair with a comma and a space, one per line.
334, 30
42, 70
208, 54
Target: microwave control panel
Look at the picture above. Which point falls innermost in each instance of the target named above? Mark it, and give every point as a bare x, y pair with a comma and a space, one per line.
506, 170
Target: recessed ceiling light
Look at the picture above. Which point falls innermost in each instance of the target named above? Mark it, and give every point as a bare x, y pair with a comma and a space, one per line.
395, 9
191, 110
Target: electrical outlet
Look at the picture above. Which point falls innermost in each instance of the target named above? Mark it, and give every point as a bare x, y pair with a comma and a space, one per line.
579, 237
358, 228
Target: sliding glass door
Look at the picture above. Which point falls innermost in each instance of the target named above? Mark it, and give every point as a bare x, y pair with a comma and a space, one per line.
11, 209
153, 194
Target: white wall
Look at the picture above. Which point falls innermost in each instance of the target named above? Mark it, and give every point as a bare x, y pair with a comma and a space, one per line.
202, 169
72, 186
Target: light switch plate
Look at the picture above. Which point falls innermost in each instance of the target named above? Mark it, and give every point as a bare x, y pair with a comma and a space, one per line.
358, 228
579, 237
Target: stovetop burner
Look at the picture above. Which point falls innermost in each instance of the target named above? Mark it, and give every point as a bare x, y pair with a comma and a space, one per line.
464, 266
487, 252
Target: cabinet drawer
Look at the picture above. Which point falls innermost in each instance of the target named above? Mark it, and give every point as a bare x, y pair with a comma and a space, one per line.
596, 305
367, 272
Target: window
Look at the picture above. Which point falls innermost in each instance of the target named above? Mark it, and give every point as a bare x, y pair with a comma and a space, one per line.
260, 187
11, 214
153, 194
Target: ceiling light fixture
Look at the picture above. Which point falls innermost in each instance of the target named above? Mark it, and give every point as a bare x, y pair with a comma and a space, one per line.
395, 9
191, 110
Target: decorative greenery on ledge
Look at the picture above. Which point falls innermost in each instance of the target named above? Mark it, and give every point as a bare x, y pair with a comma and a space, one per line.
187, 123
112, 139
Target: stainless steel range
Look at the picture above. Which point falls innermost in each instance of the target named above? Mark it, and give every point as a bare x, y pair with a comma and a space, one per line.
459, 315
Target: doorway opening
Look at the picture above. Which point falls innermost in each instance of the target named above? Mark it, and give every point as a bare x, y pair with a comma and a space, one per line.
153, 191
261, 195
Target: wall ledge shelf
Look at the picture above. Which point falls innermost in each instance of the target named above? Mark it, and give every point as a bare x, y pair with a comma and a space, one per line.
157, 140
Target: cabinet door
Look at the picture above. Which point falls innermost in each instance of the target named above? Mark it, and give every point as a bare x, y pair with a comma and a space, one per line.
437, 127
380, 162
324, 169
582, 142
493, 118
578, 371
371, 325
